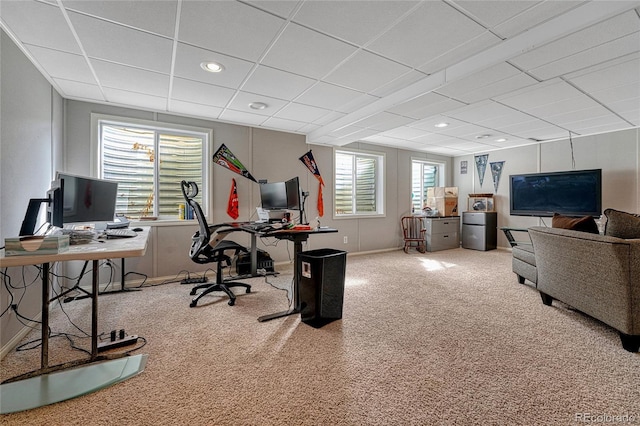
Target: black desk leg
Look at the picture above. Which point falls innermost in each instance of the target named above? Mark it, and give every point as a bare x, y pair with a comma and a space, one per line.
44, 352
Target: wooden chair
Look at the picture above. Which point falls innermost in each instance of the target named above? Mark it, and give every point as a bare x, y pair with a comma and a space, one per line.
413, 230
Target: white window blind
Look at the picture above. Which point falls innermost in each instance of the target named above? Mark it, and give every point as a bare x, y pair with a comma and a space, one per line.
358, 184
424, 175
149, 164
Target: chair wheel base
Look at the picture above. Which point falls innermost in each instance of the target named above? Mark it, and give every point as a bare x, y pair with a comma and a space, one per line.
232, 302
193, 304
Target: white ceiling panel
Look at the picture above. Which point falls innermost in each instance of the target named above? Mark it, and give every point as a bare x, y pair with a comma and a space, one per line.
306, 52
39, 24
228, 27
277, 84
156, 17
423, 34
63, 64
189, 58
122, 44
341, 71
355, 73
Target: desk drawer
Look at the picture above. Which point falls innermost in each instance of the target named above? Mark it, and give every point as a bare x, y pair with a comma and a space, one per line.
443, 226
444, 241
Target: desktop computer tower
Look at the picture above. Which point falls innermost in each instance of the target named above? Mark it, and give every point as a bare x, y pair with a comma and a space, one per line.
321, 285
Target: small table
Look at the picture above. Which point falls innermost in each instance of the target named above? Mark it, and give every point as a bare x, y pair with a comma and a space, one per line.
512, 241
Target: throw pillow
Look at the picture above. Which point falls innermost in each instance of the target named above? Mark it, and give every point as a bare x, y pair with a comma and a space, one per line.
583, 224
622, 224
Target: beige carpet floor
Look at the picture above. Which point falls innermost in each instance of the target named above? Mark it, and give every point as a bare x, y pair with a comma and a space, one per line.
438, 338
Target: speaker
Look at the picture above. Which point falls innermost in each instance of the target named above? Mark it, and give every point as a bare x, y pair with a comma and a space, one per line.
321, 285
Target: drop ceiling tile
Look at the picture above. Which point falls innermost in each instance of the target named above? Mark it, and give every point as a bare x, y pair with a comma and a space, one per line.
189, 58
429, 124
353, 21
62, 64
384, 121
366, 71
490, 114
306, 52
384, 139
329, 118
228, 27
307, 128
200, 93
39, 24
346, 131
493, 81
301, 112
276, 83
115, 43
282, 124
628, 109
242, 117
535, 15
404, 132
542, 96
425, 34
195, 110
594, 124
459, 53
158, 17
587, 58
131, 79
493, 13
426, 105
330, 96
399, 83
138, 100
242, 100
282, 8
78, 90
608, 75
580, 41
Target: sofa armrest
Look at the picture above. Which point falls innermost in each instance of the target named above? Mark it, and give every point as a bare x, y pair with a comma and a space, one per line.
596, 274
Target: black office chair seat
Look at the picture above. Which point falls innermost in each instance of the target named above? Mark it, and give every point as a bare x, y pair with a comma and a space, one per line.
218, 254
205, 249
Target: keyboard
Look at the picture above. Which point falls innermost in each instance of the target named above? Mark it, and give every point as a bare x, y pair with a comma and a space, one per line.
120, 233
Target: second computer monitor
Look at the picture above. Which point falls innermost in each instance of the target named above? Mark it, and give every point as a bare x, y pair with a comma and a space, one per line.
88, 200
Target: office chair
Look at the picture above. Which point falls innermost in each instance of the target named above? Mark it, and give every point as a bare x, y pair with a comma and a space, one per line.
205, 249
413, 230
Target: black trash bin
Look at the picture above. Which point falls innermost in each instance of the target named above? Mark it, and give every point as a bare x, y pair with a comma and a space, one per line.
321, 285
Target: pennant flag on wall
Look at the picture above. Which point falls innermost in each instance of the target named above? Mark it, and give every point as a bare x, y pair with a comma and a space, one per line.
233, 205
309, 161
225, 158
481, 165
496, 172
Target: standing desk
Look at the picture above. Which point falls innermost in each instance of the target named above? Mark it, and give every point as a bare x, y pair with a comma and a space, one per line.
298, 237
96, 251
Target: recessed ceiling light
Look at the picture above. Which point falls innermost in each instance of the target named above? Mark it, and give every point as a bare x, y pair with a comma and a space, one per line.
482, 136
502, 140
212, 66
257, 105
440, 125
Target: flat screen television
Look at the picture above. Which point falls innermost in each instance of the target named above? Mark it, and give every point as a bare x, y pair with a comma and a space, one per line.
88, 200
273, 196
570, 193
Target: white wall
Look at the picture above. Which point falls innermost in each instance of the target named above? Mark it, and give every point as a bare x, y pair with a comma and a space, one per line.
616, 153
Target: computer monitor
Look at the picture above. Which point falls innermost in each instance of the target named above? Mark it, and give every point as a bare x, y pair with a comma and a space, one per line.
293, 194
54, 202
273, 196
88, 200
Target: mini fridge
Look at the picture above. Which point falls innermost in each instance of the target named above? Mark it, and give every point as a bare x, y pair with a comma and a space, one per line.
479, 230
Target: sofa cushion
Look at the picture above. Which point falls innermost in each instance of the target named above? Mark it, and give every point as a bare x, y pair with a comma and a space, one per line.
584, 224
622, 224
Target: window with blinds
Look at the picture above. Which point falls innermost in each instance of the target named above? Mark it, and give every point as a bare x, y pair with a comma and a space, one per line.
149, 163
358, 183
424, 175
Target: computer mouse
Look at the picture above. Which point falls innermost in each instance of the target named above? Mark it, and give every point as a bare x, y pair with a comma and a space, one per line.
137, 229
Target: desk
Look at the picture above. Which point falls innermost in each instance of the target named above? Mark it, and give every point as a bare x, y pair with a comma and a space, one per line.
109, 249
298, 237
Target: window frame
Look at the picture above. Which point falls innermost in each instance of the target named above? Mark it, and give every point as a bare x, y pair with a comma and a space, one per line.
97, 120
380, 192
441, 175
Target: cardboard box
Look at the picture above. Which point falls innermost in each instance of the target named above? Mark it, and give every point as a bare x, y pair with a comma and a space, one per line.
442, 191
36, 245
446, 206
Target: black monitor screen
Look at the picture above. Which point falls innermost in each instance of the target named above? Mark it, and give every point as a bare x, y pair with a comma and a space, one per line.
273, 196
293, 194
55, 208
87, 199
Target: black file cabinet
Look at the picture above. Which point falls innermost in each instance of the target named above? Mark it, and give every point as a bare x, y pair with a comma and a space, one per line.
479, 230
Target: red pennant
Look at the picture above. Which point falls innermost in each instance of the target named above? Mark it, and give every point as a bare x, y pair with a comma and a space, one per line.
232, 205
320, 201
310, 162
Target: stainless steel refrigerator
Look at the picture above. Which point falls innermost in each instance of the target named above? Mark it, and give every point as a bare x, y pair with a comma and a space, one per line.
479, 230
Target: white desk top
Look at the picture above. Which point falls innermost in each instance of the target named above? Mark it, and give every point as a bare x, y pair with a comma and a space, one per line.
111, 248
